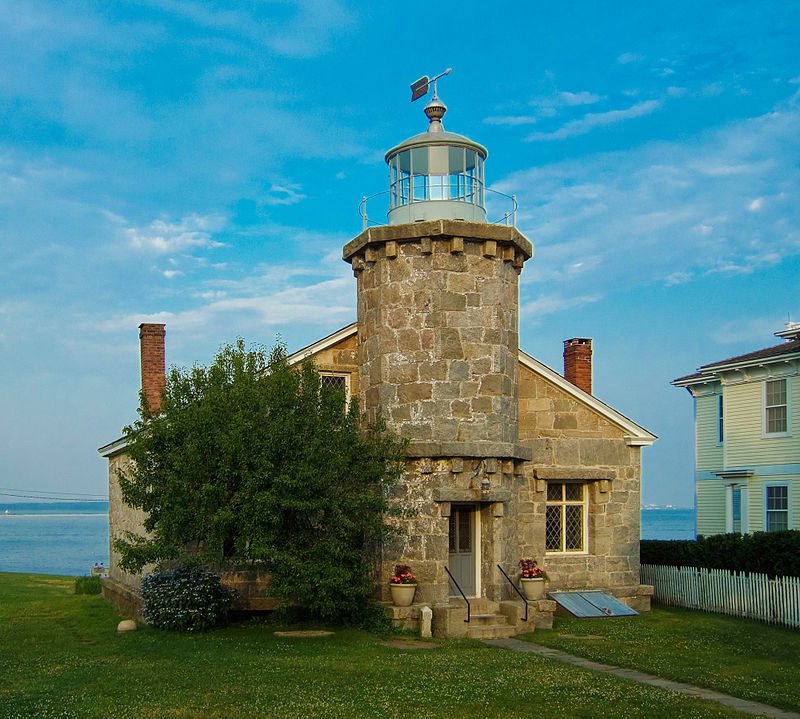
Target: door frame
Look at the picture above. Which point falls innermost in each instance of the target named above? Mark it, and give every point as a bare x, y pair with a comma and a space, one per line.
475, 511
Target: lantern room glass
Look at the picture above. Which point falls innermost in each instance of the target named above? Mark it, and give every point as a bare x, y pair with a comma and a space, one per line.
436, 172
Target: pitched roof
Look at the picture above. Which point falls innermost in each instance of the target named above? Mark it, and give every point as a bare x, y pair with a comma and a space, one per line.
768, 353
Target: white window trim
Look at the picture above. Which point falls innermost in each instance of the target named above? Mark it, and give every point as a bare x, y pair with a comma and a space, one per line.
346, 376
788, 432
780, 483
585, 550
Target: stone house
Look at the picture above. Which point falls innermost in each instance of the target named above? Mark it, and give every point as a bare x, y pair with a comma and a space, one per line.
506, 457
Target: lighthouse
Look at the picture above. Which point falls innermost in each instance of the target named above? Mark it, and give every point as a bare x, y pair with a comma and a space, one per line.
437, 303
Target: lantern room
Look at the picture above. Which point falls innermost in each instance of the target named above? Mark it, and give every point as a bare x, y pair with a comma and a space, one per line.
436, 175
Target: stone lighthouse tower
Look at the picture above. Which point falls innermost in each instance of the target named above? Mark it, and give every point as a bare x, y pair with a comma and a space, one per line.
438, 359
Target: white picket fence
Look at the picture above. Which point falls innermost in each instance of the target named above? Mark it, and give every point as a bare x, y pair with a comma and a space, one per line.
755, 596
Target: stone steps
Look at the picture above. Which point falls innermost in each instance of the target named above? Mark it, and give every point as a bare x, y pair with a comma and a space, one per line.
486, 622
491, 631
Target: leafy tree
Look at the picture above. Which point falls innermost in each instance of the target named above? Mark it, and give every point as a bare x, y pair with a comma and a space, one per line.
253, 460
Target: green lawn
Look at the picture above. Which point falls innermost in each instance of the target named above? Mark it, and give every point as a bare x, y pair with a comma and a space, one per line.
743, 658
61, 656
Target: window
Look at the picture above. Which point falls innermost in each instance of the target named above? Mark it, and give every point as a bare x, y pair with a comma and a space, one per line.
775, 407
777, 507
565, 519
720, 426
736, 509
336, 381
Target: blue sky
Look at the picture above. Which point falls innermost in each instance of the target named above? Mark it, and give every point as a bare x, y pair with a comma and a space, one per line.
201, 164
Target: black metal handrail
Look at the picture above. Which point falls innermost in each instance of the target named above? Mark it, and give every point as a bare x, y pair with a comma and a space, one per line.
460, 590
516, 589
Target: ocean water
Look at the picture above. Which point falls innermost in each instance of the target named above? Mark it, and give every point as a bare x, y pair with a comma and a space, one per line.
69, 537
668, 524
53, 537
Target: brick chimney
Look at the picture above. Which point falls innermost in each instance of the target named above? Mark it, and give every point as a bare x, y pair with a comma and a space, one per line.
154, 368
578, 362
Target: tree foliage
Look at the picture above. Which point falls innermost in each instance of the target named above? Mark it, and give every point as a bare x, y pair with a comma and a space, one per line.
252, 460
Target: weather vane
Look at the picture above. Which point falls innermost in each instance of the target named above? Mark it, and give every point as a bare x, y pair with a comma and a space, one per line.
420, 87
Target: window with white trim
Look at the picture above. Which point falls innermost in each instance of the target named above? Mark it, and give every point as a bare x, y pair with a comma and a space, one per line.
720, 422
776, 507
340, 382
776, 405
566, 514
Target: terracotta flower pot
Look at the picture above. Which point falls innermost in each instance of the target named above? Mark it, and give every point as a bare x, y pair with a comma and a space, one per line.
403, 594
533, 589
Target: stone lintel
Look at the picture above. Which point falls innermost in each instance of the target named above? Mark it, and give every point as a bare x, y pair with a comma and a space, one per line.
585, 473
501, 450
441, 229
450, 496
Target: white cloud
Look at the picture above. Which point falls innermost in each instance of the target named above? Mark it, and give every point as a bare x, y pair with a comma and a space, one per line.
169, 274
549, 304
628, 57
677, 278
591, 120
665, 212
756, 204
673, 91
162, 236
579, 98
510, 120
756, 331
324, 303
284, 195
294, 28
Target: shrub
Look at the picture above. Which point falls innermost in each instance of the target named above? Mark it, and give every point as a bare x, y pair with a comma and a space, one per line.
87, 585
255, 460
776, 554
185, 599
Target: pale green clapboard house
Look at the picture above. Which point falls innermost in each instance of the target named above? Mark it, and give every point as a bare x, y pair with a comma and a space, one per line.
747, 439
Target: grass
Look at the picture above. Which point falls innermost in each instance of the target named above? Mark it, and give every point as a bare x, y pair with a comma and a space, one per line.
88, 585
743, 658
61, 656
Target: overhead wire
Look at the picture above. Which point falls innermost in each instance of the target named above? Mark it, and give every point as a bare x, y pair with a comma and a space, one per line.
51, 495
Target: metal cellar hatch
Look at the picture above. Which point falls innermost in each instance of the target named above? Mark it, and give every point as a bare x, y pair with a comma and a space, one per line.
594, 603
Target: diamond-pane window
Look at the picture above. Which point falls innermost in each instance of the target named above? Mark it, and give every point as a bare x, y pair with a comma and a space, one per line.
552, 529
565, 518
340, 382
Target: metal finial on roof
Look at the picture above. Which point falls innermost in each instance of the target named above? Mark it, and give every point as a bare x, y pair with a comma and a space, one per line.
435, 109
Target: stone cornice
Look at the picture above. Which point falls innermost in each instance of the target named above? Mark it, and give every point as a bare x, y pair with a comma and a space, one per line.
439, 229
500, 450
583, 473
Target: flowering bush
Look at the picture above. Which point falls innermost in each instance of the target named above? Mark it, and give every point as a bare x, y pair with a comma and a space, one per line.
185, 599
530, 570
403, 575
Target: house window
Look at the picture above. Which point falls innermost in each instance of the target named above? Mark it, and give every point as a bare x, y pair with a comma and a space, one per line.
720, 426
339, 382
736, 509
775, 407
777, 507
565, 518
